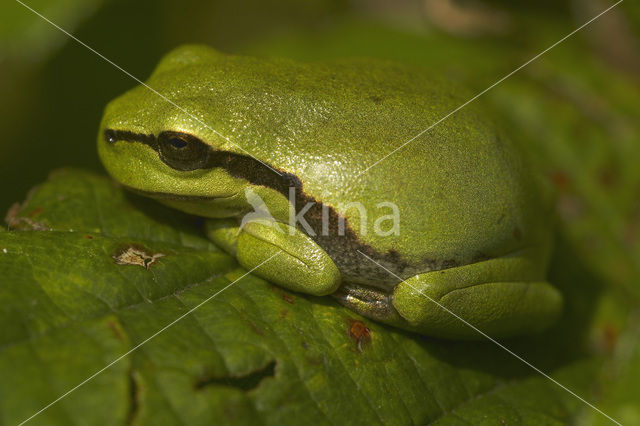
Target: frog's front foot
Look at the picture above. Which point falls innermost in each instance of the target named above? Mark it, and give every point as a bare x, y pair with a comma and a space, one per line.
296, 263
501, 297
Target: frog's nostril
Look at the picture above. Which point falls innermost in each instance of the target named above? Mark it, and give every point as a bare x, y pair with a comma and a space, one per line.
110, 136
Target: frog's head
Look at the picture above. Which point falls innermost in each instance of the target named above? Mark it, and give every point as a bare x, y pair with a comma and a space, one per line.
160, 139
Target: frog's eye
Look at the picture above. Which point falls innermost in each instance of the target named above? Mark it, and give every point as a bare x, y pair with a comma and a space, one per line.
182, 151
177, 142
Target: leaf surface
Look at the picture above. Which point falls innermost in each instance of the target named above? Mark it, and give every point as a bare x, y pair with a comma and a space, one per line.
253, 354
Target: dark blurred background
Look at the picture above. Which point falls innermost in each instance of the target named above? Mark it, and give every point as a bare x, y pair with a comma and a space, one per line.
53, 90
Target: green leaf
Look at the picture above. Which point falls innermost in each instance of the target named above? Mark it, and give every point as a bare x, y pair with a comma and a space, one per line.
71, 303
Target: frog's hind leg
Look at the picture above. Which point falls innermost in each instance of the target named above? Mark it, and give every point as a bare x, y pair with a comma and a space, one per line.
291, 258
501, 297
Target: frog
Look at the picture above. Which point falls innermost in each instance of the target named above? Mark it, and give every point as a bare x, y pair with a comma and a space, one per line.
448, 235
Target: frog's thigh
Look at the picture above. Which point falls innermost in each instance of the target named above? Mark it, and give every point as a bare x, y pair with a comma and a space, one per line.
223, 233
501, 297
301, 265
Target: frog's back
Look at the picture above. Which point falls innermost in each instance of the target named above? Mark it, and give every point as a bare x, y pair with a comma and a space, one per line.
346, 130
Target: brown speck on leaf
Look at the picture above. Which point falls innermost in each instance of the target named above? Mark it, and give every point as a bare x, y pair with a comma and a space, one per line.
10, 217
560, 179
255, 328
284, 313
360, 333
15, 222
35, 212
134, 254
289, 298
467, 19
569, 207
117, 331
609, 337
88, 237
607, 177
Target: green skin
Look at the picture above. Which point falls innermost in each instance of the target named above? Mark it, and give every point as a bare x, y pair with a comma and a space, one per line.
473, 230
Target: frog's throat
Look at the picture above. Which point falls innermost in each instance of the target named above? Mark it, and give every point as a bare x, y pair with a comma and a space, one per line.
339, 240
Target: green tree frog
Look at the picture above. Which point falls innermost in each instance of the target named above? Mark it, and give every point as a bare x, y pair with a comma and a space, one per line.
451, 217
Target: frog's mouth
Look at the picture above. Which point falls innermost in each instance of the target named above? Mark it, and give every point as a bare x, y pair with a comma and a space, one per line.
159, 195
198, 205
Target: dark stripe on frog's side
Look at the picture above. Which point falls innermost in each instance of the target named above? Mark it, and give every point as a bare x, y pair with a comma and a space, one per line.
343, 249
